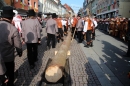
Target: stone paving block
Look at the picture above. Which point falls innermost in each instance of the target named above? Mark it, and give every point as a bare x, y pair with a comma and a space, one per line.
81, 66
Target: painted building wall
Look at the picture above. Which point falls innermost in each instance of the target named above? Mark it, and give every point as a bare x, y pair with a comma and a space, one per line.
107, 8
60, 9
34, 5
94, 6
26, 4
8, 2
113, 8
63, 10
41, 5
50, 6
2, 3
21, 5
84, 7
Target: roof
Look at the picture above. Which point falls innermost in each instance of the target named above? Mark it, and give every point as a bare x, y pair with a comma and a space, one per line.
68, 7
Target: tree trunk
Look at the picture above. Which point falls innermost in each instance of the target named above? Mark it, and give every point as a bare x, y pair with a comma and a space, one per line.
55, 69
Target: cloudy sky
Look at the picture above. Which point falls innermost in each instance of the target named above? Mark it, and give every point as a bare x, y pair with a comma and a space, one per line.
75, 4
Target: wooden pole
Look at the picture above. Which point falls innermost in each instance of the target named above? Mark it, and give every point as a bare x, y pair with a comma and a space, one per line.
55, 69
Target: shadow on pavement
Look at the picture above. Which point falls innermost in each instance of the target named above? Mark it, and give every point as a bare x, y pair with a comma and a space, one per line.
118, 64
92, 79
23, 75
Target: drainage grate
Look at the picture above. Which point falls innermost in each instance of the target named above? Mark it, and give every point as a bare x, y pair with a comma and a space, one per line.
64, 81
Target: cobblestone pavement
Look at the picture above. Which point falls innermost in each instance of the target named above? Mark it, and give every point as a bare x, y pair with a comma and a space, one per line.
27, 77
81, 72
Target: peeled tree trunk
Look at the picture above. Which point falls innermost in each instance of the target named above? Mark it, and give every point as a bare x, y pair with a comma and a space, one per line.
55, 69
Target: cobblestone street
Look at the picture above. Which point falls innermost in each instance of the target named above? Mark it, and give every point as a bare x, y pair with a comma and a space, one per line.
81, 71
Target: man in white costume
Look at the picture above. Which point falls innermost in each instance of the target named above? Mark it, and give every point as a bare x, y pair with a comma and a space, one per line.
17, 19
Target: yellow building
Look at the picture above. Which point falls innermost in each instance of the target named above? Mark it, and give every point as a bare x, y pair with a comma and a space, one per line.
8, 2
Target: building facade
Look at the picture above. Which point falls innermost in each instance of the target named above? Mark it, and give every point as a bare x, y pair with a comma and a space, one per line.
80, 12
9, 2
69, 10
60, 9
89, 7
63, 10
113, 8
41, 5
84, 8
50, 6
107, 8
21, 4
124, 10
2, 3
94, 7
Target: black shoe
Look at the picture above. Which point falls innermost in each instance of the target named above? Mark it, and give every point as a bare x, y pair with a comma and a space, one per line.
91, 45
93, 38
58, 41
32, 66
126, 55
79, 41
53, 47
86, 46
62, 40
48, 47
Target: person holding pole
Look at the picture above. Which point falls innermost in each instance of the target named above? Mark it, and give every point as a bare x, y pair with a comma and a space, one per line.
88, 28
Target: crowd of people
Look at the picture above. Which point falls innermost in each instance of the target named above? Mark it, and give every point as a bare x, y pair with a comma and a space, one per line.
117, 27
16, 30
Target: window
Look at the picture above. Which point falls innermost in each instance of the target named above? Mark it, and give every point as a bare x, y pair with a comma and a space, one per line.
35, 4
16, 0
22, 1
28, 2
